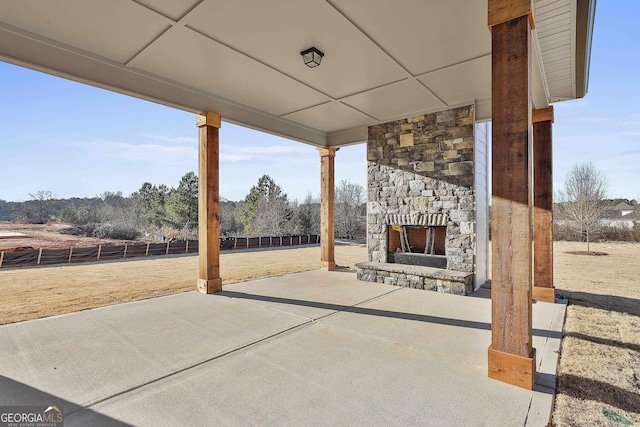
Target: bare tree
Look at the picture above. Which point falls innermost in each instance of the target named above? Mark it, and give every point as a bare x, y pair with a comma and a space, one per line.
37, 211
582, 199
349, 210
307, 216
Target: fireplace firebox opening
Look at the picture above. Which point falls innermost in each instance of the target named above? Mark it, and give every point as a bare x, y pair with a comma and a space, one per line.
417, 245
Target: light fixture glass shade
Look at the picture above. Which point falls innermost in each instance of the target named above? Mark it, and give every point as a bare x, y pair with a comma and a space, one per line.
312, 57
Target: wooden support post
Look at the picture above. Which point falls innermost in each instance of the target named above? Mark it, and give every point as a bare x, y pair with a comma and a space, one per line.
39, 256
543, 289
70, 254
1, 258
209, 280
511, 354
327, 189
100, 250
147, 251
124, 255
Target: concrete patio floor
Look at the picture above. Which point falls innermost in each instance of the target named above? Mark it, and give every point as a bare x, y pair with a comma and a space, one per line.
313, 348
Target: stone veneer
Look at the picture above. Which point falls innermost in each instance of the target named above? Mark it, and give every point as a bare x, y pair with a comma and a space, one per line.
424, 165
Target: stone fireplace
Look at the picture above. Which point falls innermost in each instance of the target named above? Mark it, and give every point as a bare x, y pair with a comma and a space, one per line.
422, 207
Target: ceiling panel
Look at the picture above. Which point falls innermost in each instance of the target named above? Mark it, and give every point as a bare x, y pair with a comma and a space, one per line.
463, 82
423, 37
399, 99
276, 32
115, 29
174, 9
330, 117
192, 59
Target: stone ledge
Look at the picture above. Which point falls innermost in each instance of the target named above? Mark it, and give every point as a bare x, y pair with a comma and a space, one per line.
417, 277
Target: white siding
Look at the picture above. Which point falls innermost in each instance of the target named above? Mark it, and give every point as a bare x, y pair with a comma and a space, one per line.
482, 203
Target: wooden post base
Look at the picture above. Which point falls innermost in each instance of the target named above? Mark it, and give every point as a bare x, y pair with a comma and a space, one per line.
328, 265
511, 369
210, 286
543, 294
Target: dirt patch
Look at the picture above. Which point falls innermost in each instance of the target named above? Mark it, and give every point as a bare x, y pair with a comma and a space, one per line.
48, 236
32, 293
590, 253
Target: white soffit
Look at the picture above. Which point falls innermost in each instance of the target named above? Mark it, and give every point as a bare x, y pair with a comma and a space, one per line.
555, 27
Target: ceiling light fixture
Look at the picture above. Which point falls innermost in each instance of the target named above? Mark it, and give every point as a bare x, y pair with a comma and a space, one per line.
312, 57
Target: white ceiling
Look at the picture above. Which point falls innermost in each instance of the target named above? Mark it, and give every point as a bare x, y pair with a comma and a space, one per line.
384, 60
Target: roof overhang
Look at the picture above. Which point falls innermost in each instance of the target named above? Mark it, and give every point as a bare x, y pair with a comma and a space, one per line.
383, 60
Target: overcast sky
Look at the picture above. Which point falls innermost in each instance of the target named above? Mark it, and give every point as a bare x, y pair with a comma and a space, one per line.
79, 141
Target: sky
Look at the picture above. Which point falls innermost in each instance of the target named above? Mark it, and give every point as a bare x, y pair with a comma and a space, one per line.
79, 141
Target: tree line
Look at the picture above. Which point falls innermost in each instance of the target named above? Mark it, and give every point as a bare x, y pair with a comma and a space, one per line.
165, 212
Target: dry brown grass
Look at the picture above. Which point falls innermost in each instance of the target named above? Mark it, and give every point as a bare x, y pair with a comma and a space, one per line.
32, 293
600, 364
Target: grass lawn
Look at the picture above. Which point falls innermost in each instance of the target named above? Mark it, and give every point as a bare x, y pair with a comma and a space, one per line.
599, 372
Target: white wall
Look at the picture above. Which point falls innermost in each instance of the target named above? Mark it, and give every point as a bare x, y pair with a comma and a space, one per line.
481, 167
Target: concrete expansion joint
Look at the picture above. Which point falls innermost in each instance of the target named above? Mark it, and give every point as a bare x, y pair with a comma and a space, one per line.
190, 367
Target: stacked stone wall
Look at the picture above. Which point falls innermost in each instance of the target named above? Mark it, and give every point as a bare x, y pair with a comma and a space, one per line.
424, 165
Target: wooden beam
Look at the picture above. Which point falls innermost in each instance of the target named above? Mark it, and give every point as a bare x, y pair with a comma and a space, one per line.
543, 289
327, 178
501, 11
542, 115
209, 280
511, 325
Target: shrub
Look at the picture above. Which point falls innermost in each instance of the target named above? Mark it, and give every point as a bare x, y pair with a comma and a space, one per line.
73, 231
116, 232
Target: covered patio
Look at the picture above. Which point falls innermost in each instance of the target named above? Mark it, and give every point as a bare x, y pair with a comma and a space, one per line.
332, 352
383, 61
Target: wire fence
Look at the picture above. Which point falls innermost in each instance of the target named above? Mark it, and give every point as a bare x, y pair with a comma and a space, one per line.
114, 252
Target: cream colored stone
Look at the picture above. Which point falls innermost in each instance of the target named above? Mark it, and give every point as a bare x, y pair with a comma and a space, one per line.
406, 140
463, 144
425, 167
450, 154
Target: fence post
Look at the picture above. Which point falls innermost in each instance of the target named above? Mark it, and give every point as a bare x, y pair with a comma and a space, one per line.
99, 251
70, 254
259, 242
247, 243
39, 256
146, 253
235, 242
1, 258
186, 247
124, 255
167, 252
